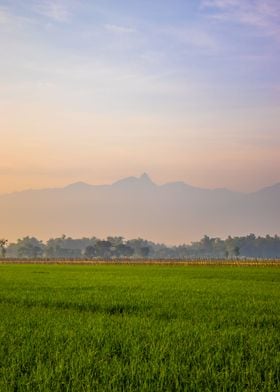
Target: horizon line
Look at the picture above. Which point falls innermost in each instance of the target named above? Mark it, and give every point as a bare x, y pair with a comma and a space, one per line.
144, 177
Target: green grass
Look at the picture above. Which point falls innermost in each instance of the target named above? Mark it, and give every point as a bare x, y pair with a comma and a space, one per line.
139, 328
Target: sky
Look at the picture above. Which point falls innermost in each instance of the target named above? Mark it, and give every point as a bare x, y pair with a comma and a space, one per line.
103, 89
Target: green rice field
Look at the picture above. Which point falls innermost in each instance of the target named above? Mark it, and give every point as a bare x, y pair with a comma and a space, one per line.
139, 328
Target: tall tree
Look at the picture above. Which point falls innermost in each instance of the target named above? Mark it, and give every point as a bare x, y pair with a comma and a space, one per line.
3, 246
30, 247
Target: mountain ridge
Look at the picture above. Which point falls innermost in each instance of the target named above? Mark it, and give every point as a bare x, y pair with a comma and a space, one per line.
144, 179
136, 206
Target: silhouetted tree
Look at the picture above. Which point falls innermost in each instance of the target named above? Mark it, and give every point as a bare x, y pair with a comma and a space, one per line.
90, 252
103, 248
3, 245
144, 251
236, 251
124, 250
30, 247
246, 246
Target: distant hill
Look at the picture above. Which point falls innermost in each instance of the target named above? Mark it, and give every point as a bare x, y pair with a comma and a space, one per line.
136, 206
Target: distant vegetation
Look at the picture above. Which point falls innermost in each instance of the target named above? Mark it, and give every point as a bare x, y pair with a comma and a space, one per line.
118, 247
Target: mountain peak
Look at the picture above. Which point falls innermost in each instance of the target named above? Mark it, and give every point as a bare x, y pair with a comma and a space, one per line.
144, 179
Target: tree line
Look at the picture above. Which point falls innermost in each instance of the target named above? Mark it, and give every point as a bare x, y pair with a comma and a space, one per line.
118, 247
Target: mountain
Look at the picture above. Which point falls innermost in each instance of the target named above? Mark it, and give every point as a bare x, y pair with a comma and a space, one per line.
142, 181
136, 206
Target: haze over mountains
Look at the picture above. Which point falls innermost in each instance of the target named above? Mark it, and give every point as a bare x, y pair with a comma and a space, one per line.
137, 207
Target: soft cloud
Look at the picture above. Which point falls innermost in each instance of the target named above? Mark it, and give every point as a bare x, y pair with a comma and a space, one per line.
193, 36
119, 29
261, 14
11, 21
5, 17
53, 9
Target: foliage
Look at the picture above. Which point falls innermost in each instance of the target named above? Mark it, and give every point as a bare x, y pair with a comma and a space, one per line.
117, 247
27, 247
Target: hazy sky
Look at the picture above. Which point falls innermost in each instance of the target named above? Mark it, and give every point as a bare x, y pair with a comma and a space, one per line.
102, 89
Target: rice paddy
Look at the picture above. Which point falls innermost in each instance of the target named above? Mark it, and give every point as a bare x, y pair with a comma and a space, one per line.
139, 328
